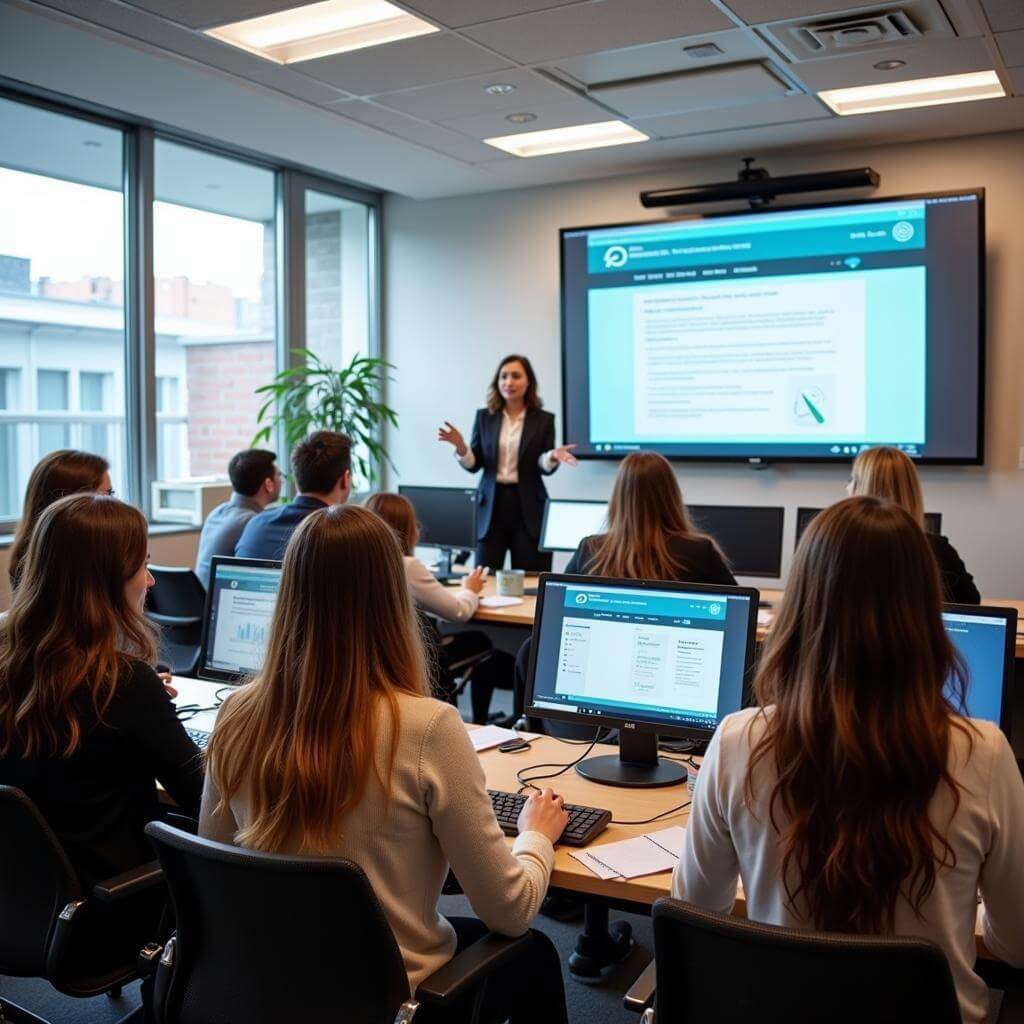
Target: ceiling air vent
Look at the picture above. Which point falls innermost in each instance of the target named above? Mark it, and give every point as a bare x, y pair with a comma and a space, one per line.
852, 32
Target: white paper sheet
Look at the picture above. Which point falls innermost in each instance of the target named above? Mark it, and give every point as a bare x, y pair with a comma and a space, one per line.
632, 858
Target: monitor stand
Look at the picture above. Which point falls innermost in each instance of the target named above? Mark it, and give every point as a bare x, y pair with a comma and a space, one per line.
444, 566
637, 765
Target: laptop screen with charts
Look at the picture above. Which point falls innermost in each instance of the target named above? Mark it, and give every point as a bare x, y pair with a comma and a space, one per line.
567, 522
236, 624
986, 639
662, 658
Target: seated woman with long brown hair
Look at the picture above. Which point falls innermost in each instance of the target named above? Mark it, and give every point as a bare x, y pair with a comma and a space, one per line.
54, 476
650, 535
887, 473
335, 748
86, 726
857, 798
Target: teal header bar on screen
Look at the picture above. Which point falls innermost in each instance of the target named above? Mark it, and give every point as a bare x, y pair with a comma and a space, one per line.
636, 602
698, 243
249, 579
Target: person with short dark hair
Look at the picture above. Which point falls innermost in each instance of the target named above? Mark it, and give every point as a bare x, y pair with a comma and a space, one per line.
322, 469
256, 481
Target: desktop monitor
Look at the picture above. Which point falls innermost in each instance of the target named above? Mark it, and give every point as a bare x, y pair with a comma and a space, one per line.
932, 521
236, 622
750, 536
446, 515
986, 639
567, 522
648, 658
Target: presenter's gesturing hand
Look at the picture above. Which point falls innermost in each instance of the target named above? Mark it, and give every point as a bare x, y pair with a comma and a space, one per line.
563, 453
453, 437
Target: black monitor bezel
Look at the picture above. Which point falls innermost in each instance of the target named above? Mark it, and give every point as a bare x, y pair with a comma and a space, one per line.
427, 542
978, 459
798, 531
777, 540
1009, 653
220, 675
673, 731
563, 501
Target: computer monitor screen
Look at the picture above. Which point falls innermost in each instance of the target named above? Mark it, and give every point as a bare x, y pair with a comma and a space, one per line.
567, 522
651, 658
750, 536
932, 521
239, 606
447, 515
986, 639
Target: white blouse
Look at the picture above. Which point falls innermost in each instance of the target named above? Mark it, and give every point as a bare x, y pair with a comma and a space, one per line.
510, 435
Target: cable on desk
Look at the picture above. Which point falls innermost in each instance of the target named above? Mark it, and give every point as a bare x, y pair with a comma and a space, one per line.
186, 712
657, 817
528, 783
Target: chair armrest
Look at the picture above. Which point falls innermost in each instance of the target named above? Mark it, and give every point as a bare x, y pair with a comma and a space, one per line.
641, 993
145, 876
470, 966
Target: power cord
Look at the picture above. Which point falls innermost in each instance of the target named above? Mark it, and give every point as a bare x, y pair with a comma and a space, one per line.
528, 783
656, 817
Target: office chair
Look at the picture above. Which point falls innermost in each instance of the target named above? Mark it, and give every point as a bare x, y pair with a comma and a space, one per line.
716, 967
264, 938
451, 677
84, 943
175, 603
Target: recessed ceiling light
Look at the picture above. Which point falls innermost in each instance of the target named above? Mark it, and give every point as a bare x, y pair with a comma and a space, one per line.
918, 92
890, 65
520, 118
317, 30
499, 89
567, 140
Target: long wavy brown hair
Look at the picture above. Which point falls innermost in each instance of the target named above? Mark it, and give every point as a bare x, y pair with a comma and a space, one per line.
645, 512
71, 629
399, 513
857, 727
302, 738
889, 474
495, 401
54, 476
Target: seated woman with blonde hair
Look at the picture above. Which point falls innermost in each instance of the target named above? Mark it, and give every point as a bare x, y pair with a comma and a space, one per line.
337, 749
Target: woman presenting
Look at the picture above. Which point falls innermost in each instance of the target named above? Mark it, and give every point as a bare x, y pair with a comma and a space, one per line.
513, 442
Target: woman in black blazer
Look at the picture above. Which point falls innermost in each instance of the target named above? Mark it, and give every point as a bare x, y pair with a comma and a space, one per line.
86, 726
889, 474
513, 443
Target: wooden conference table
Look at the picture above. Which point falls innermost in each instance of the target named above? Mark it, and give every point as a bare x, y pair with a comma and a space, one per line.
625, 804
521, 615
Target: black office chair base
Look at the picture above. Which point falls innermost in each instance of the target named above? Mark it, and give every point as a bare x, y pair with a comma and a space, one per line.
600, 944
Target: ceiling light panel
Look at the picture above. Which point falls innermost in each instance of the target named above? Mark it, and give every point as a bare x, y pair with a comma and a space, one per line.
322, 29
567, 140
918, 92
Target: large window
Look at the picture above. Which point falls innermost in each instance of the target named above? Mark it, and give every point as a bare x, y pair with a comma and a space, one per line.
78, 336
62, 335
213, 268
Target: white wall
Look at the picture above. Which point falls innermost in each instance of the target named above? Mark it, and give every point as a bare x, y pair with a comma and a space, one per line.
470, 279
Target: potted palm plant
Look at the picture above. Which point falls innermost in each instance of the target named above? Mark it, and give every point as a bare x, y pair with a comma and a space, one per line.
316, 396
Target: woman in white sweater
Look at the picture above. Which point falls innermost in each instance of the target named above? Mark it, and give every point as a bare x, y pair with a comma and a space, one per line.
857, 798
335, 749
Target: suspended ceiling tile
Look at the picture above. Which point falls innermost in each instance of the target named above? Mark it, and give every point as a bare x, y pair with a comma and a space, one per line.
406, 64
458, 13
432, 135
601, 25
1011, 46
692, 90
207, 13
296, 84
787, 110
757, 12
467, 96
555, 115
1004, 15
923, 60
659, 58
1017, 81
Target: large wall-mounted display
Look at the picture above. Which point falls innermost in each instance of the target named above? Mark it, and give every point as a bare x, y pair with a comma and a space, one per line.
798, 334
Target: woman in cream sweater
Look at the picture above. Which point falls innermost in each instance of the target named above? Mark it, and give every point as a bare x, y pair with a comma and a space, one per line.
335, 749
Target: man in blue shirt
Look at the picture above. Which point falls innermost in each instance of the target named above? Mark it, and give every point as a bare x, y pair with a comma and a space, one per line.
321, 467
256, 481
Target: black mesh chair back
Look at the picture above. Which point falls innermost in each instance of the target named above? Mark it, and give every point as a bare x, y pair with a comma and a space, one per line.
36, 883
176, 603
263, 938
716, 967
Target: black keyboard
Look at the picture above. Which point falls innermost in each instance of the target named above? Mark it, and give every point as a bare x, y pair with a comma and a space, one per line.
585, 823
200, 737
